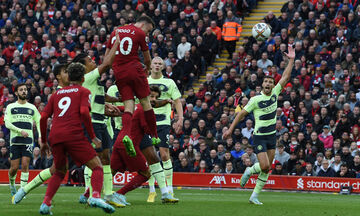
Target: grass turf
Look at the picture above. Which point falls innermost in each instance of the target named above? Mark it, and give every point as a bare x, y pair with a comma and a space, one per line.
192, 202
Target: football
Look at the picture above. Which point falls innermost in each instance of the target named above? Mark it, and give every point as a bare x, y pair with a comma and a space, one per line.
261, 31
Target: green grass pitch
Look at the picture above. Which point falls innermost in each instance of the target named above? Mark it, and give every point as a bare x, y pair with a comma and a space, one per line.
192, 202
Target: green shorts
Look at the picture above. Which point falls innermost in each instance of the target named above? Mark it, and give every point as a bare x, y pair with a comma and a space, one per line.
262, 143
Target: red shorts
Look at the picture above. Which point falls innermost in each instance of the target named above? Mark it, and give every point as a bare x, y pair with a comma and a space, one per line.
80, 151
122, 162
131, 81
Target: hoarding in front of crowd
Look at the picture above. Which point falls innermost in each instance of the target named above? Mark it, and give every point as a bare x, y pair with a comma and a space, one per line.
209, 180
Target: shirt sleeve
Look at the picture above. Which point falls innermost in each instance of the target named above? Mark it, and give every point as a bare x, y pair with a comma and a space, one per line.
251, 105
8, 123
91, 77
108, 45
37, 118
277, 89
86, 98
142, 41
175, 93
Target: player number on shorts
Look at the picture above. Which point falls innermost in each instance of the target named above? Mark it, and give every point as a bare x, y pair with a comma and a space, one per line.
64, 104
122, 42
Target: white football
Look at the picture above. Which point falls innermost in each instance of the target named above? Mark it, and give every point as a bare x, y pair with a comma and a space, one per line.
261, 31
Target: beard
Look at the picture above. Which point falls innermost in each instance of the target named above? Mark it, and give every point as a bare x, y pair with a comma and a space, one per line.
22, 97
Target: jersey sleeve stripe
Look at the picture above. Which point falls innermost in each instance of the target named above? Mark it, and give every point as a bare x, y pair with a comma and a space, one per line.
23, 125
160, 117
268, 116
21, 140
267, 129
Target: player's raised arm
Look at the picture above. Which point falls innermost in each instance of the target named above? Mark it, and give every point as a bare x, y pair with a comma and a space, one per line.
147, 60
180, 112
239, 117
287, 72
109, 56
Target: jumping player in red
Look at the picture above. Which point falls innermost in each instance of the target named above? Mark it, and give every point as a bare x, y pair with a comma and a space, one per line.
121, 161
70, 108
131, 78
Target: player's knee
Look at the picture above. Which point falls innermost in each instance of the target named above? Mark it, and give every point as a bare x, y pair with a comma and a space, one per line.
165, 157
265, 167
145, 173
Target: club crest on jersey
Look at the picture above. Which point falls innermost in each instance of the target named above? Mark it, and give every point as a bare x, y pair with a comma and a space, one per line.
162, 87
259, 147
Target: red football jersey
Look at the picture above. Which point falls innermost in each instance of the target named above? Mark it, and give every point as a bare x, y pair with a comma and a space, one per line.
65, 105
138, 126
131, 38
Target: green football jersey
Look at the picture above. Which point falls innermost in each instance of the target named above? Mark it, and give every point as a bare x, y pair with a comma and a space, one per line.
20, 117
97, 96
264, 109
114, 92
169, 90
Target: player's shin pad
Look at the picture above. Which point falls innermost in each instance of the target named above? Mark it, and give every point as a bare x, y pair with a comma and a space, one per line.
158, 173
38, 180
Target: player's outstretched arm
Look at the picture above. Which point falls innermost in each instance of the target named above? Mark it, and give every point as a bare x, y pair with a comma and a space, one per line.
239, 117
111, 99
287, 72
109, 56
180, 112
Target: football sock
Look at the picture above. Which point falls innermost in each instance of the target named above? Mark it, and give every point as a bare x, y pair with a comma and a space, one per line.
24, 179
151, 122
126, 122
12, 179
97, 179
87, 176
38, 180
152, 183
53, 186
157, 172
108, 181
136, 182
168, 171
260, 182
255, 169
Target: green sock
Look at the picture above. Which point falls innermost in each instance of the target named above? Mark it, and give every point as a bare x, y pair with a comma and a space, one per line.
157, 172
24, 179
87, 177
12, 179
260, 182
168, 171
255, 169
108, 180
38, 180
151, 182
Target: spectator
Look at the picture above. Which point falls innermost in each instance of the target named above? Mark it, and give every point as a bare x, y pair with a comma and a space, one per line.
309, 170
326, 137
278, 170
344, 172
202, 167
183, 47
336, 163
237, 152
216, 169
281, 155
248, 130
4, 158
36, 160
326, 170
229, 168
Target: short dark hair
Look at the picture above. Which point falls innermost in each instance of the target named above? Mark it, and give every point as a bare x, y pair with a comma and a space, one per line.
146, 19
155, 88
18, 86
58, 68
80, 58
76, 71
269, 77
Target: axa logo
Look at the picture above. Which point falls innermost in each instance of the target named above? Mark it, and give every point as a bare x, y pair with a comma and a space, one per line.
218, 180
300, 183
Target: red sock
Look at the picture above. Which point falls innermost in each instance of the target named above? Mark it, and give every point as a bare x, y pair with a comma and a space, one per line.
136, 182
53, 186
126, 123
97, 179
151, 122
87, 192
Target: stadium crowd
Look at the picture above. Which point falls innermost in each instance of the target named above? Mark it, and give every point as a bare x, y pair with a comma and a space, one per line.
318, 115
